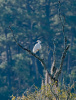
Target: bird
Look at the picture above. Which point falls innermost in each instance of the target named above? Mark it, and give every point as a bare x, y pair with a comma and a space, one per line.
37, 46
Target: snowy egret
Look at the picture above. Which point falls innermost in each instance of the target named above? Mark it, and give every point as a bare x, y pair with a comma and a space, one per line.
37, 46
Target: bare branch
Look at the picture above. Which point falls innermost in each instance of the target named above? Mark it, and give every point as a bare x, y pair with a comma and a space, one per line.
56, 96
40, 59
28, 50
58, 72
66, 47
63, 56
53, 67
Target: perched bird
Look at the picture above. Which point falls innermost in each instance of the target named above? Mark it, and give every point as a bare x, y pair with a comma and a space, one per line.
37, 46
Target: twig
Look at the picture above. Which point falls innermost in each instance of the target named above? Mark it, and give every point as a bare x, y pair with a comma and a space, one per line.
56, 96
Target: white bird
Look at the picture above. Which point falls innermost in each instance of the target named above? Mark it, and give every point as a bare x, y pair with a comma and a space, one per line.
37, 46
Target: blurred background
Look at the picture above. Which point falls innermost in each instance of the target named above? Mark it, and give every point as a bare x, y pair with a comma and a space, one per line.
32, 20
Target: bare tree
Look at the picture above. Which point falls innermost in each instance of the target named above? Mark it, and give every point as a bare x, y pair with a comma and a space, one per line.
54, 75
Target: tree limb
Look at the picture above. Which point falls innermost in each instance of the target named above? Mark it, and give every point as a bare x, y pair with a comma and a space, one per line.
66, 47
40, 59
58, 72
56, 96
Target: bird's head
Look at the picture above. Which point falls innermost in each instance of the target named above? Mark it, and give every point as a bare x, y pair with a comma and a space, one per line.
38, 41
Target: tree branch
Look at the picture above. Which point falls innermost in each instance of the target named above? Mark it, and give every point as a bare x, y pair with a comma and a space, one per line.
53, 67
56, 96
58, 72
66, 47
40, 59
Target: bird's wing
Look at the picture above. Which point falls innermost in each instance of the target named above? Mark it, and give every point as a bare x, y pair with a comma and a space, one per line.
36, 47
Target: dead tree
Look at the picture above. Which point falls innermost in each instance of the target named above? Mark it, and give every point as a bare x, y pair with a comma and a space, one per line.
54, 75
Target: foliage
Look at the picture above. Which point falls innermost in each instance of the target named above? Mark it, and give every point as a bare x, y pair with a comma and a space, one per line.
47, 92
